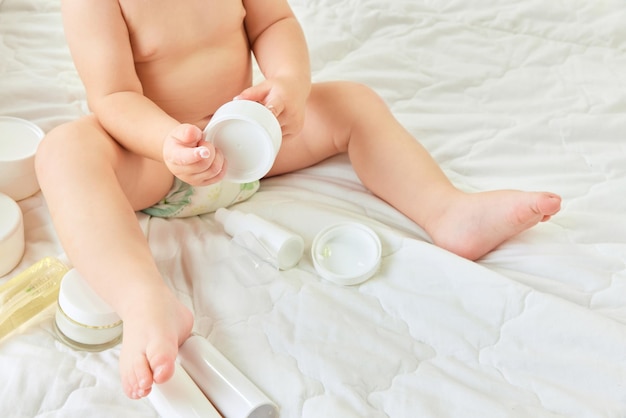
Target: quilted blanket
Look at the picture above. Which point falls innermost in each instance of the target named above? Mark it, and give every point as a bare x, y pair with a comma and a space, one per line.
522, 94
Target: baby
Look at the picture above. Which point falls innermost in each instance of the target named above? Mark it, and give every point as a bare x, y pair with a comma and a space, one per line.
154, 73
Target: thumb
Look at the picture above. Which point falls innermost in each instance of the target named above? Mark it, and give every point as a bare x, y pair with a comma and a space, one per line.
256, 93
182, 155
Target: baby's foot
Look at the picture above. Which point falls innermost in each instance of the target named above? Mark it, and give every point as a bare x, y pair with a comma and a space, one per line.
474, 224
152, 333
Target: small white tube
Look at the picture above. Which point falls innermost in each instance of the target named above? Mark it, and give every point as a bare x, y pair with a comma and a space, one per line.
285, 246
179, 397
232, 393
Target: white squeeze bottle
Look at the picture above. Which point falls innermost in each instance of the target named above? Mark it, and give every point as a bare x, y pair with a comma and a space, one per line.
226, 387
179, 397
283, 245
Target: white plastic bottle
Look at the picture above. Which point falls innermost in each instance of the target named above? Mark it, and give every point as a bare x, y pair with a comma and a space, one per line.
285, 246
179, 397
228, 389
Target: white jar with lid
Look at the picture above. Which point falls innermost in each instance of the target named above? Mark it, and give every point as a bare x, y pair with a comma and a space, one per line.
11, 234
19, 140
249, 136
83, 320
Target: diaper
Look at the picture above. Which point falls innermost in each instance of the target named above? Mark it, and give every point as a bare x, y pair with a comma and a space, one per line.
184, 200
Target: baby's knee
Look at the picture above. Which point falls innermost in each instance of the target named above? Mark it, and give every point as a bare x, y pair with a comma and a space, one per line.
68, 143
361, 94
52, 148
357, 102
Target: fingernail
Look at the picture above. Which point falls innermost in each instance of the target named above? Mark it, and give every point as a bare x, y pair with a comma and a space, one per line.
204, 152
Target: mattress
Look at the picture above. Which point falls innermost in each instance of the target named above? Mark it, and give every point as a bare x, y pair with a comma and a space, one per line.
521, 94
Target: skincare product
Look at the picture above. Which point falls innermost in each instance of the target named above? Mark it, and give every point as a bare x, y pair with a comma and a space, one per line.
249, 136
83, 320
180, 397
283, 245
347, 253
19, 140
29, 293
229, 390
11, 234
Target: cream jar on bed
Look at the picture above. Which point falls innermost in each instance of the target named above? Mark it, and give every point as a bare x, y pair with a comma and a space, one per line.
19, 140
83, 320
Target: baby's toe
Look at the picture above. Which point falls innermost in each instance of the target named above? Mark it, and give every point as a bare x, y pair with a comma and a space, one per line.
136, 377
549, 204
162, 361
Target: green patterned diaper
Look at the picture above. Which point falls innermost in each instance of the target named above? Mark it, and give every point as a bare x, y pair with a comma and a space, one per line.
184, 200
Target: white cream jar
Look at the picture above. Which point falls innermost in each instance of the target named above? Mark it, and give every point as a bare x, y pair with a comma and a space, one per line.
19, 140
83, 320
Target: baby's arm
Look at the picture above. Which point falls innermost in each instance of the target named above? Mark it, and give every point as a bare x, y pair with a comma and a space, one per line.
280, 48
99, 41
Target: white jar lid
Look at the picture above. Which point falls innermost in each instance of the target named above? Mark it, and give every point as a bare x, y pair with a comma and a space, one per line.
346, 253
11, 234
19, 140
248, 135
81, 303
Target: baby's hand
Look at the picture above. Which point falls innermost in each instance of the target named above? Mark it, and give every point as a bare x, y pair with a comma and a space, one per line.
190, 158
285, 98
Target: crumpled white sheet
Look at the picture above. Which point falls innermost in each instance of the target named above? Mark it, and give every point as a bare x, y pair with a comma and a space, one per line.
505, 94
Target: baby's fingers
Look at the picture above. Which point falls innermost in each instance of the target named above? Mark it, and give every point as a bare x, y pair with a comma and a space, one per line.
256, 93
188, 155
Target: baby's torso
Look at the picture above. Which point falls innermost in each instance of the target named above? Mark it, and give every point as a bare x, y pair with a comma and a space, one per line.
191, 55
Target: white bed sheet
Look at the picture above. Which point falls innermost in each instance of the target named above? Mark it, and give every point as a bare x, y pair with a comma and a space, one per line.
505, 94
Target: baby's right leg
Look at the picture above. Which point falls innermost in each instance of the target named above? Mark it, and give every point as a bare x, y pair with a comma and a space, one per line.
92, 187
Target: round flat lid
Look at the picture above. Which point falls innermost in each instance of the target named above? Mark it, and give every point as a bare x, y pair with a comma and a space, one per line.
346, 253
81, 303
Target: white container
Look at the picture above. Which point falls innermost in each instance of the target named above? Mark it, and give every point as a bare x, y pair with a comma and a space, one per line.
284, 246
179, 397
249, 136
11, 234
19, 140
232, 393
83, 320
346, 253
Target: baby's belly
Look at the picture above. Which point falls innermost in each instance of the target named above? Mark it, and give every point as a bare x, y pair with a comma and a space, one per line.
191, 89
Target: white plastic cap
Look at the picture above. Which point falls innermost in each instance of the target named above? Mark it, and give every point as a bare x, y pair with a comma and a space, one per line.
249, 136
346, 253
264, 238
81, 303
19, 140
230, 220
11, 234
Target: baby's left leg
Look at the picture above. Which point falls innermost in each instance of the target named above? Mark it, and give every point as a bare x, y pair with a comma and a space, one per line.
348, 117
